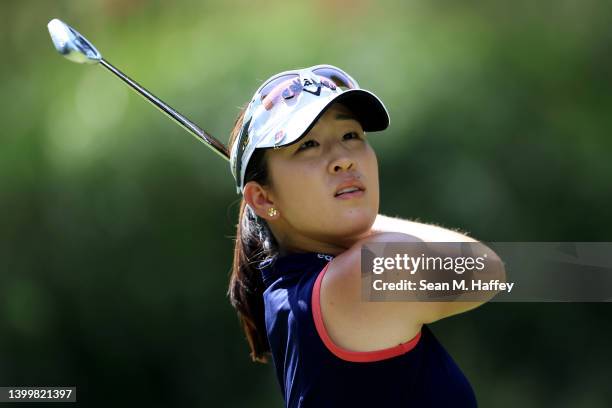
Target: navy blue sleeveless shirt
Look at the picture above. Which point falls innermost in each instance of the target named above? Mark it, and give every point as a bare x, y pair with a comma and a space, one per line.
313, 372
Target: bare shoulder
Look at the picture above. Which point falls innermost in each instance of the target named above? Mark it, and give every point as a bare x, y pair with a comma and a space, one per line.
363, 326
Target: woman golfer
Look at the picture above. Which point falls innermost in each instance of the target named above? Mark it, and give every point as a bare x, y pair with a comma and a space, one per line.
310, 199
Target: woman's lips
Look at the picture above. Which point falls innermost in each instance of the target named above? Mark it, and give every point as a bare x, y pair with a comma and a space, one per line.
351, 182
351, 195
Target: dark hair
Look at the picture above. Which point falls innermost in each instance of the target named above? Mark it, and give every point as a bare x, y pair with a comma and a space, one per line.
254, 244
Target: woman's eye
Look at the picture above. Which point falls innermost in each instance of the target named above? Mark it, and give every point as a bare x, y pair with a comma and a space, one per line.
307, 144
312, 143
351, 135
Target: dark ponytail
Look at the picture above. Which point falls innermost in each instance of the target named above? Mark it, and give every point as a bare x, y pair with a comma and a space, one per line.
254, 244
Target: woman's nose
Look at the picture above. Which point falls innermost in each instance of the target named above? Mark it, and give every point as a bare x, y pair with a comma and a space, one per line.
341, 162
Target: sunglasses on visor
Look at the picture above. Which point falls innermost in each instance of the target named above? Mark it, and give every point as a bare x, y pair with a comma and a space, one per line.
288, 84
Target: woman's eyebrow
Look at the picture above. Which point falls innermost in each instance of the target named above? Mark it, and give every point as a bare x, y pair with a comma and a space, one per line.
345, 116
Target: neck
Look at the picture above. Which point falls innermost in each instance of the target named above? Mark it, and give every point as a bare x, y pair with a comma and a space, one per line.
292, 243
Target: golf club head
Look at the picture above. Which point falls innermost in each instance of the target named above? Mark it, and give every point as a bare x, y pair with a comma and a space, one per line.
71, 44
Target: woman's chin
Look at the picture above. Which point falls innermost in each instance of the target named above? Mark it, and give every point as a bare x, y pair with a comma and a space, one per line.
364, 213
356, 220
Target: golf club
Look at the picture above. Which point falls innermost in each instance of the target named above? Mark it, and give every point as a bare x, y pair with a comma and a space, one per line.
76, 48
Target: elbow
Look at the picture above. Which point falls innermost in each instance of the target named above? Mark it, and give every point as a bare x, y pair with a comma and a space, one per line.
497, 266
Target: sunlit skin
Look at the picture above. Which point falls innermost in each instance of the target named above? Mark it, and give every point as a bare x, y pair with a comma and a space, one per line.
304, 177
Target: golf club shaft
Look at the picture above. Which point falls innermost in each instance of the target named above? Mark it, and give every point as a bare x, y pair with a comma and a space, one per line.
188, 125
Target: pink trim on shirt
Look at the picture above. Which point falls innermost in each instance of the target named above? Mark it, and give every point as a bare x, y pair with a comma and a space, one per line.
348, 355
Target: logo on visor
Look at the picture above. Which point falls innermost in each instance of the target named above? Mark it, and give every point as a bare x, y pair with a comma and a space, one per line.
296, 87
279, 136
243, 141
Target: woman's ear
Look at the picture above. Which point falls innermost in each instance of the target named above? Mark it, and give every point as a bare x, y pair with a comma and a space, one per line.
258, 198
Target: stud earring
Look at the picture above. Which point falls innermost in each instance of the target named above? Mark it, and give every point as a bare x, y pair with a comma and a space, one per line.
272, 212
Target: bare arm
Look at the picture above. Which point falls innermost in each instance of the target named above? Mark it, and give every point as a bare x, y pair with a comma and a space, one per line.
360, 325
387, 228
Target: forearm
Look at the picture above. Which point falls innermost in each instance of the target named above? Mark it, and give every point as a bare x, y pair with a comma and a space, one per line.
427, 232
385, 223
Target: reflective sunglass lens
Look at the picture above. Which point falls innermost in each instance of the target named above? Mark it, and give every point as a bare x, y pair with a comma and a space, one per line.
338, 77
269, 87
287, 86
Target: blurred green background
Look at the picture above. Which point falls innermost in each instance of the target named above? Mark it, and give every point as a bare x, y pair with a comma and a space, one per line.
116, 226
